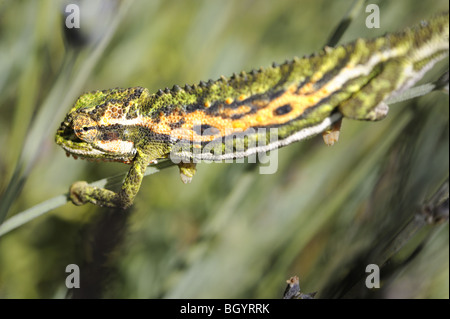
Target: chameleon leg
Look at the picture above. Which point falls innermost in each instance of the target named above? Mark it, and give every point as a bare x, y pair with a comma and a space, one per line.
187, 171
367, 104
81, 193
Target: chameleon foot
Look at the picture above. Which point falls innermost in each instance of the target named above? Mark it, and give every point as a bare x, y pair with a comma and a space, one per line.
331, 136
379, 112
187, 171
76, 193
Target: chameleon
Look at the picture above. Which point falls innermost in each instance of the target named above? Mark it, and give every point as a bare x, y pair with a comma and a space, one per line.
247, 113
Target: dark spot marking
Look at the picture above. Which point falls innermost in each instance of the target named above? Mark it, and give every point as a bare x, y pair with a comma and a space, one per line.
177, 124
166, 110
236, 116
110, 136
191, 107
282, 110
205, 129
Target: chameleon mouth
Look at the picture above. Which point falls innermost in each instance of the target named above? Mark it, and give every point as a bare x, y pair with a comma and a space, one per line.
66, 133
73, 145
78, 148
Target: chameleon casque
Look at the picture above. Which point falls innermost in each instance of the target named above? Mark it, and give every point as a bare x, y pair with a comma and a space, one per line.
232, 117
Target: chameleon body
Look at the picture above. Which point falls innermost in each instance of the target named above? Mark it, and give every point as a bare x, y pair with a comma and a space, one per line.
247, 113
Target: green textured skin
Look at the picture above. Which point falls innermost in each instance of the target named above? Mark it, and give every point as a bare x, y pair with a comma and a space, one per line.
352, 80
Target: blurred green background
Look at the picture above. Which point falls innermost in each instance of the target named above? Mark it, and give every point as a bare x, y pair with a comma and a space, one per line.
232, 233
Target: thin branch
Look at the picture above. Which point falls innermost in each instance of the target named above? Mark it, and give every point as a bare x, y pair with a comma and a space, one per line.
439, 84
434, 211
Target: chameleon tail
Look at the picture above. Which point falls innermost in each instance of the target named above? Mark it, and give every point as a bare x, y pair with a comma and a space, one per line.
403, 59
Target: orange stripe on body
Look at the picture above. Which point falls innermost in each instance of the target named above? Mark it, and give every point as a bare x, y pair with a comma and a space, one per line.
264, 116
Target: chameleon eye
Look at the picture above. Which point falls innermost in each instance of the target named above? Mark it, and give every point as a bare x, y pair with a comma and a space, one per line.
85, 128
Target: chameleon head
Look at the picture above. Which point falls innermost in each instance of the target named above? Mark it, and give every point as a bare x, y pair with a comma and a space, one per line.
81, 136
93, 130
